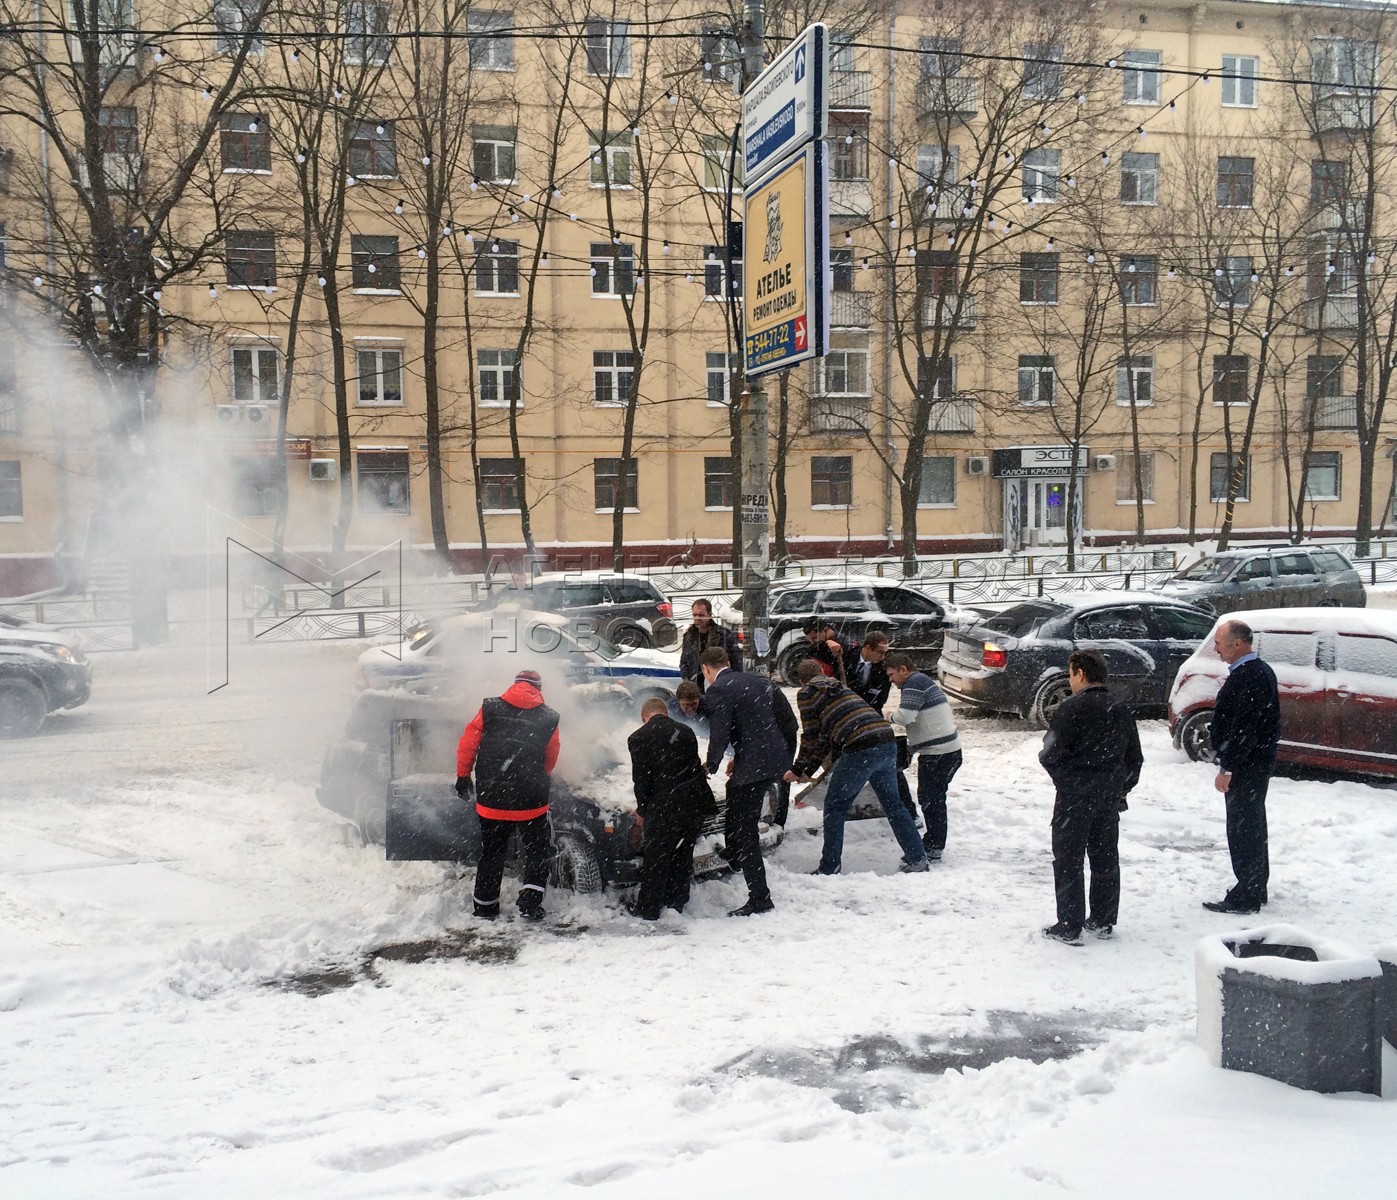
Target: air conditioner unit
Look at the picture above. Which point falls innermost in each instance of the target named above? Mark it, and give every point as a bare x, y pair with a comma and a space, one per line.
1104, 462
254, 413
977, 466
227, 413
324, 469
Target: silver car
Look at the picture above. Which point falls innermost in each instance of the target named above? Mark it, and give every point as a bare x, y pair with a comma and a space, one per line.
1277, 577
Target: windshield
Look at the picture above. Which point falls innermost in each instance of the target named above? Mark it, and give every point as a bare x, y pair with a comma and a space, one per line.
1018, 620
1208, 570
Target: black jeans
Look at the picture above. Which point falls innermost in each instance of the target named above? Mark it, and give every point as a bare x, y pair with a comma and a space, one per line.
1246, 838
742, 839
536, 841
1087, 825
934, 775
667, 860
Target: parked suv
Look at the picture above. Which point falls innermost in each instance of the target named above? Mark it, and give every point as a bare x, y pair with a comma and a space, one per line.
629, 611
41, 671
1276, 577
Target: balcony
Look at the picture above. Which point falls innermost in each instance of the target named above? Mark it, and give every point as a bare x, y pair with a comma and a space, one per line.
1336, 108
850, 198
1338, 215
955, 414
839, 414
947, 96
1337, 313
850, 91
943, 311
850, 310
1334, 412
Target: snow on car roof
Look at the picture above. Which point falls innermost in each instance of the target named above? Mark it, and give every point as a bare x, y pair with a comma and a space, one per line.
484, 620
1099, 599
1376, 622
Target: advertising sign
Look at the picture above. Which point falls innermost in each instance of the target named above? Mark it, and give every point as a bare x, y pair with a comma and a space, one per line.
785, 316
1037, 462
787, 104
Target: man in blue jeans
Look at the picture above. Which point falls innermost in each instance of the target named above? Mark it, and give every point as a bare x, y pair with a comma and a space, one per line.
836, 720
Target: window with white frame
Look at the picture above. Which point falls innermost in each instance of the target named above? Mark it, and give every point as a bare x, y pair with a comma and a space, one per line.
1042, 71
500, 484
373, 150
9, 396
938, 171
1322, 474
244, 142
120, 146
11, 490
1236, 181
374, 262
1041, 170
491, 39
1331, 268
1343, 62
831, 481
1221, 468
717, 483
719, 159
1232, 280
1328, 181
1231, 379
611, 158
367, 28
1135, 380
1037, 379
940, 58
115, 28
250, 258
844, 369
1239, 72
613, 475
497, 268
498, 379
256, 375
720, 368
720, 56
938, 483
1139, 279
380, 376
608, 46
235, 24
613, 378
613, 268
848, 136
383, 482
936, 377
493, 154
1126, 477
257, 485
1140, 76
1139, 178
841, 268
841, 51
715, 268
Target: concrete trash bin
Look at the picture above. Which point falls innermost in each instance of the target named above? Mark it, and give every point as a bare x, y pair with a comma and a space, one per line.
1283, 1003
1387, 996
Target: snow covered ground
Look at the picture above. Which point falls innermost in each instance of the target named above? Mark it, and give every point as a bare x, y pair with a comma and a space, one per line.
190, 1002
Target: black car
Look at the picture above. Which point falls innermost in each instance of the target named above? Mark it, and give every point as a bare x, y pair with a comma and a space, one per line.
41, 671
629, 611
1017, 661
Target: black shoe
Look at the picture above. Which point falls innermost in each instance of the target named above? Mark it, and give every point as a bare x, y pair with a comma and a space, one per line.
817, 871
1231, 906
1100, 928
752, 908
1065, 934
487, 914
532, 914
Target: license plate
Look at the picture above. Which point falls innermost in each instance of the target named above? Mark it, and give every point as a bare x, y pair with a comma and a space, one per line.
954, 681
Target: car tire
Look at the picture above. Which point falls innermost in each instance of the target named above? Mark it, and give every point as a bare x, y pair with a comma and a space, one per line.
575, 866
789, 659
1049, 697
371, 817
1330, 603
1195, 736
629, 636
23, 707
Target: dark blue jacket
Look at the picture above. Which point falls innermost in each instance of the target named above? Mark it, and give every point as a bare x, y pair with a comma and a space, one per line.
742, 713
1247, 719
1092, 747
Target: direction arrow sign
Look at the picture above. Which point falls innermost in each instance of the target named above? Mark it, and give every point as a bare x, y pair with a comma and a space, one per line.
788, 103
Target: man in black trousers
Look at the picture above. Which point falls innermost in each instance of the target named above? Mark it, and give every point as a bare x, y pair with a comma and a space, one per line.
672, 797
1092, 753
1245, 729
741, 714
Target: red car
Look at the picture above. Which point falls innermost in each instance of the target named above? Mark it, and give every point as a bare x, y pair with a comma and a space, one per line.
1337, 671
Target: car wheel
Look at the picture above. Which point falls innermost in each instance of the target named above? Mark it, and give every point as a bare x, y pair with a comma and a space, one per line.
1330, 603
23, 707
575, 866
630, 637
1196, 736
1049, 699
789, 659
371, 817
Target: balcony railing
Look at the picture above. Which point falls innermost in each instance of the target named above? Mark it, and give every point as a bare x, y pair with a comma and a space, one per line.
839, 414
955, 414
947, 96
1334, 412
942, 311
850, 91
950, 202
850, 310
1332, 312
850, 198
1338, 214
1337, 108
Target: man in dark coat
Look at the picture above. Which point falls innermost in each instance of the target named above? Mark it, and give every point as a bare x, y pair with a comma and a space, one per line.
1092, 753
742, 714
512, 745
672, 797
835, 654
690, 708
1245, 729
869, 676
702, 635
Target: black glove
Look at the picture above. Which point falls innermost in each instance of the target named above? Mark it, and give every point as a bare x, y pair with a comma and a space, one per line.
465, 788
1122, 806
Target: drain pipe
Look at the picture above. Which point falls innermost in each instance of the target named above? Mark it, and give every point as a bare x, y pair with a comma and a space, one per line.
888, 322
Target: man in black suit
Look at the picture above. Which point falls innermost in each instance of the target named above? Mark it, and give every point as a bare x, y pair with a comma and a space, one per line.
742, 714
867, 675
1246, 727
672, 797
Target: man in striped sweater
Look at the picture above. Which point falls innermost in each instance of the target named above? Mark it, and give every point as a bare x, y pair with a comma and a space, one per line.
925, 713
838, 721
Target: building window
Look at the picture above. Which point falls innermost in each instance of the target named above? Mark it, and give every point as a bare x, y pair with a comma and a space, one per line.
233, 25
719, 159
938, 273
720, 368
938, 171
1331, 269
613, 269
608, 45
715, 266
9, 397
608, 477
1135, 380
841, 269
1322, 472
1232, 280
1236, 177
1328, 182
374, 262
1038, 278
383, 482
848, 134
1042, 71
492, 39
497, 269
498, 379
1037, 379
1220, 469
373, 152
256, 375
938, 484
843, 371
1041, 169
1139, 278
1140, 76
936, 377
613, 377
1231, 379
244, 142
499, 484
611, 158
250, 257
1125, 477
11, 491
115, 26
367, 33
493, 153
841, 50
831, 481
380, 377
717, 483
940, 58
257, 485
1324, 391
1343, 62
1239, 72
1139, 178
720, 57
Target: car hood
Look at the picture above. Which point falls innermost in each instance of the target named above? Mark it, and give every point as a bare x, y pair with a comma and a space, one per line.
658, 663
35, 636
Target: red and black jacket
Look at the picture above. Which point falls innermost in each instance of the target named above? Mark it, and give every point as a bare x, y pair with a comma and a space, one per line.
512, 745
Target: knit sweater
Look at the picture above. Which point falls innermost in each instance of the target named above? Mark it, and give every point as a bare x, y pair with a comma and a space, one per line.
925, 713
834, 718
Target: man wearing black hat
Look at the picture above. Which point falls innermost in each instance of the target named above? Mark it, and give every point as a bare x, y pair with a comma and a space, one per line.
512, 744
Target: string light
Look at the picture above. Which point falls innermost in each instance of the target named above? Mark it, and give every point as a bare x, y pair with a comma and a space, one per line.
1091, 256
300, 156
848, 238
1140, 130
912, 250
864, 265
213, 293
421, 253
665, 248
321, 281
398, 208
426, 160
378, 129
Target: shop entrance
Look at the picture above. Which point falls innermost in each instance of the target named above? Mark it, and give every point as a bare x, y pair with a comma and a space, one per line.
1043, 511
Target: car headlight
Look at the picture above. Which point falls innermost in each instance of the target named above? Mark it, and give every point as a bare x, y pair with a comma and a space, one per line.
59, 652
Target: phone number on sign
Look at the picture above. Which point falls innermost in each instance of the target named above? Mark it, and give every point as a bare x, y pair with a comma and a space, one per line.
771, 344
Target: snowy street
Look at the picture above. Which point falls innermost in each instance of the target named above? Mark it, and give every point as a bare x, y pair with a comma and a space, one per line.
207, 989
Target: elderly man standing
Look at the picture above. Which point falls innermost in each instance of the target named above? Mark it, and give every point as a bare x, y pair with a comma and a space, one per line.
705, 633
1245, 729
